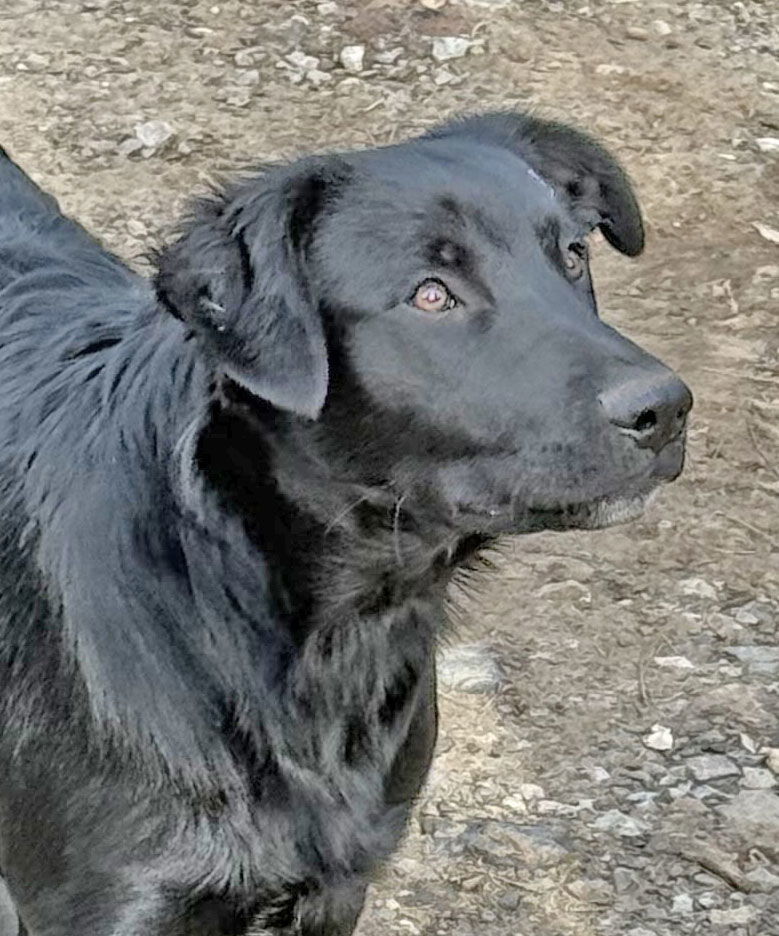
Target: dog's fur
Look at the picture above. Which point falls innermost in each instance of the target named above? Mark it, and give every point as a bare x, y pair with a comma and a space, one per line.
232, 500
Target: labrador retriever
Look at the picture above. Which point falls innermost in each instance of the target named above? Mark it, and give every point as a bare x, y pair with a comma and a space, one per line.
232, 499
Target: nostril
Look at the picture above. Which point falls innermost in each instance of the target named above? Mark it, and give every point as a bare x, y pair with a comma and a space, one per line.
645, 421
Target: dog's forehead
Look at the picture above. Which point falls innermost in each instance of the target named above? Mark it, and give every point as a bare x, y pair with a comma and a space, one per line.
475, 171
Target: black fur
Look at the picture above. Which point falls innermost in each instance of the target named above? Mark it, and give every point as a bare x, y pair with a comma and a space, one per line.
227, 532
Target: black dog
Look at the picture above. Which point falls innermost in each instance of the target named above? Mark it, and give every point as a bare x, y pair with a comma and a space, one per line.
231, 504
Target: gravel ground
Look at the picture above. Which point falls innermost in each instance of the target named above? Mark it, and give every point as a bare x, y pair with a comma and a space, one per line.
610, 750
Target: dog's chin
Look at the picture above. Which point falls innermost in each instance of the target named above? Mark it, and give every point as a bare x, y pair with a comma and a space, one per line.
596, 514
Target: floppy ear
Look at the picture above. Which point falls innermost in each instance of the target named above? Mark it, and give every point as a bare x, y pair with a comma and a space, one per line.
237, 275
578, 168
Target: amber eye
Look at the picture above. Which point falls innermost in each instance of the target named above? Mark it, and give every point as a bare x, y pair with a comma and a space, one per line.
433, 296
574, 260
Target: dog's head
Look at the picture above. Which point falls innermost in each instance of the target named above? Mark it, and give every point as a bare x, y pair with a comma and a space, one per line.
429, 305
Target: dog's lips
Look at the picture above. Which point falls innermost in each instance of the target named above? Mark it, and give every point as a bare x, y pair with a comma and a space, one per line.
584, 515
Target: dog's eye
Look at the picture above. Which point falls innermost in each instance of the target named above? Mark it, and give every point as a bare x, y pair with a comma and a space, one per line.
433, 296
575, 260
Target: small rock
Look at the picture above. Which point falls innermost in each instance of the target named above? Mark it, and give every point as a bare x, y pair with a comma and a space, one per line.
568, 591
244, 59
754, 815
747, 743
510, 899
442, 76
352, 58
450, 47
770, 234
732, 917
712, 767
682, 905
130, 146
318, 77
659, 738
433, 4
531, 792
598, 774
389, 57
469, 668
618, 823
249, 77
767, 144
625, 880
136, 228
674, 662
606, 68
154, 133
327, 8
763, 880
238, 97
758, 659
661, 27
302, 61
758, 778
771, 758
636, 32
698, 587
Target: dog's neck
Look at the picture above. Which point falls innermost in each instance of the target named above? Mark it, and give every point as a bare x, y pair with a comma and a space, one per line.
335, 545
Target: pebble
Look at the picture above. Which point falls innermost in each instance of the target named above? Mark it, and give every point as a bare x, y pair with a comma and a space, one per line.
698, 587
130, 146
636, 32
659, 738
732, 917
469, 668
318, 77
249, 77
768, 144
682, 905
388, 57
754, 814
625, 880
531, 791
771, 758
598, 774
352, 58
712, 767
762, 660
154, 133
244, 59
450, 47
661, 27
442, 76
758, 778
763, 880
674, 662
618, 823
302, 61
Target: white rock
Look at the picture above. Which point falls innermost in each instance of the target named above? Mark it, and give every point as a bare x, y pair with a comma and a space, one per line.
154, 133
771, 758
468, 668
389, 57
698, 587
712, 767
661, 27
442, 76
768, 144
732, 917
659, 738
352, 57
769, 233
531, 791
129, 146
682, 905
674, 662
758, 778
244, 59
238, 97
249, 77
618, 823
598, 774
450, 47
606, 68
327, 8
302, 61
317, 77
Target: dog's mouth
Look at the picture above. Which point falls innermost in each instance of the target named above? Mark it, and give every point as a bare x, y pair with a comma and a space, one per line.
588, 515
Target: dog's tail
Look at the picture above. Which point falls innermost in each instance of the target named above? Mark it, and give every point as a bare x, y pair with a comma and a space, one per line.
18, 192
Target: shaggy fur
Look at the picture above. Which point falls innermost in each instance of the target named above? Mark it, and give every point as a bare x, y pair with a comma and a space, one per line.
232, 501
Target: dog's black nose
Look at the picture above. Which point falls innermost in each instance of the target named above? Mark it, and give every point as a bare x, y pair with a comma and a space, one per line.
653, 410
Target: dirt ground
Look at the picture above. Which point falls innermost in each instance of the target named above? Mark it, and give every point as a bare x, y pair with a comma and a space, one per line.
610, 741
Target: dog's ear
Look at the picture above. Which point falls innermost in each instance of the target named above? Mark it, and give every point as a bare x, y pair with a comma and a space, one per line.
578, 169
237, 275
